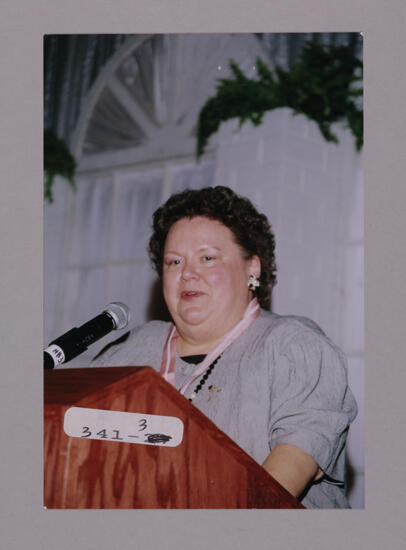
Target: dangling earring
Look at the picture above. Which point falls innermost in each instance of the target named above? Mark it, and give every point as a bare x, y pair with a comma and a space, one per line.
253, 283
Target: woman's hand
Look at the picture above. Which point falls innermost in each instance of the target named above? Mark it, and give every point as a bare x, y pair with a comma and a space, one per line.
293, 468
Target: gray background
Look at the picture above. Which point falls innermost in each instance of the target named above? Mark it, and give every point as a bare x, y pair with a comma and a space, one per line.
25, 523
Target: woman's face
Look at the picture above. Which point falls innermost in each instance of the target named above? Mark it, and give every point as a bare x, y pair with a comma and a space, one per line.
205, 279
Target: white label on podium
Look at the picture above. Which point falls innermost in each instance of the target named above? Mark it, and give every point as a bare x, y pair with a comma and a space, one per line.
124, 427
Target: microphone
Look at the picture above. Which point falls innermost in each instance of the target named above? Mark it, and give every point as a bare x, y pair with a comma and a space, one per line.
74, 342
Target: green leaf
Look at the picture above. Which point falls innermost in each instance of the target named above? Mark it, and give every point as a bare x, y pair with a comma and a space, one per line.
58, 161
320, 86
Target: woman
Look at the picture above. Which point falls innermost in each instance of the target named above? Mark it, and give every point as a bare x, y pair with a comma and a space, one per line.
276, 385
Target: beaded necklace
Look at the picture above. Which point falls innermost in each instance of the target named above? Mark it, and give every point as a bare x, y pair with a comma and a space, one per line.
203, 379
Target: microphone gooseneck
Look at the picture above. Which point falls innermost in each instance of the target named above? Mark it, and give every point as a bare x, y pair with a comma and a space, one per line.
74, 342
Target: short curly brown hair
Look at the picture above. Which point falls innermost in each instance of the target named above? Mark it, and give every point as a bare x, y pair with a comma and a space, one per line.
251, 229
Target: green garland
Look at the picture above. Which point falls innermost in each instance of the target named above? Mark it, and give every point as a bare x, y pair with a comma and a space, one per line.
325, 85
57, 161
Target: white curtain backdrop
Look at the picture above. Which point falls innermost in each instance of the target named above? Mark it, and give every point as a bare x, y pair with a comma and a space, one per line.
103, 233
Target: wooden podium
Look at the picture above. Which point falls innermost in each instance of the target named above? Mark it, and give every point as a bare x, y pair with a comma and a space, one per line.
206, 470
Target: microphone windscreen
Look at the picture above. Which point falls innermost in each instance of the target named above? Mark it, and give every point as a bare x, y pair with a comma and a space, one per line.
120, 314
